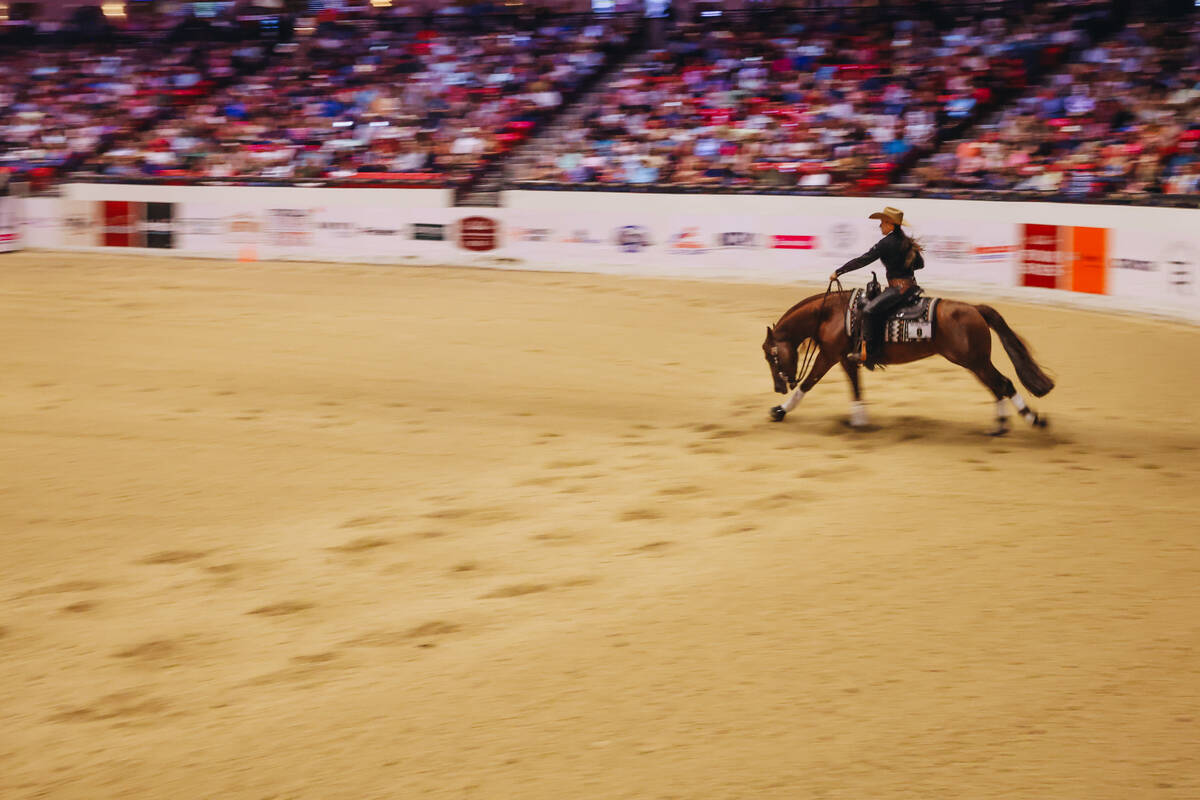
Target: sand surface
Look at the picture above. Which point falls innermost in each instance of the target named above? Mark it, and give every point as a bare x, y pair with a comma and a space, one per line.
313, 531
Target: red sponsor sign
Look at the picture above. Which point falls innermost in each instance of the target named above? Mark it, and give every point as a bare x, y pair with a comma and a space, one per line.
478, 233
120, 223
781, 242
1040, 259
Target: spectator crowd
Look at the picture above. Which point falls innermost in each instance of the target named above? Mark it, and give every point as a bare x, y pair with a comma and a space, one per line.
1123, 119
830, 101
1057, 97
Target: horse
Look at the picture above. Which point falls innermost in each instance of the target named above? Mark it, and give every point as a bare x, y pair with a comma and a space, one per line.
961, 335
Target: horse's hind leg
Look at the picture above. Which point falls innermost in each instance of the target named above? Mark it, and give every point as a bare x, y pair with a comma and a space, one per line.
969, 344
1001, 388
1004, 390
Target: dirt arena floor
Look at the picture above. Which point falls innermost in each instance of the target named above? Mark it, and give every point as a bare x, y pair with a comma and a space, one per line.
344, 532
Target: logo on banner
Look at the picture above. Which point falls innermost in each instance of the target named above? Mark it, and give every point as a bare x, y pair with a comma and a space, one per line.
290, 227
81, 222
996, 252
1179, 265
1135, 264
342, 230
842, 237
531, 234
244, 229
131, 224
737, 239
686, 242
1040, 258
478, 233
782, 242
381, 231
428, 232
947, 248
77, 223
201, 226
580, 236
632, 238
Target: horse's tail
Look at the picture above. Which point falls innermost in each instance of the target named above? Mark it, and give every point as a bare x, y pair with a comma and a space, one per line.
1036, 381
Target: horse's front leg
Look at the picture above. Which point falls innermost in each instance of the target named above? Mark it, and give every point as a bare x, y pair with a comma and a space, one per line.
820, 367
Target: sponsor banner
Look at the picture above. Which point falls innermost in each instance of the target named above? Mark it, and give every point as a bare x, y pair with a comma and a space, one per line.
738, 240
1064, 257
792, 242
687, 241
1040, 259
1089, 259
1155, 266
81, 223
1141, 259
126, 223
158, 227
744, 246
517, 234
576, 235
632, 239
481, 233
329, 233
959, 252
428, 232
10, 225
120, 223
289, 228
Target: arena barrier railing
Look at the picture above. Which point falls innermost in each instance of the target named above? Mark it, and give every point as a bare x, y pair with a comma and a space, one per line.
1139, 259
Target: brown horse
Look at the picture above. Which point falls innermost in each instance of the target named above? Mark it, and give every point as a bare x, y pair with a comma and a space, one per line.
961, 334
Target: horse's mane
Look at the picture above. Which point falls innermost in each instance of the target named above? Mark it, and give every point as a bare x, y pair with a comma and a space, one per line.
810, 299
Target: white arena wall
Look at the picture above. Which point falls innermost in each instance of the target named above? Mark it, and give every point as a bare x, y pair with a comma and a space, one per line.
1116, 258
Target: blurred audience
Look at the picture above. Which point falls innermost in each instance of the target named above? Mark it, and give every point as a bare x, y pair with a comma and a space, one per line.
60, 103
350, 102
831, 102
1125, 119
1013, 96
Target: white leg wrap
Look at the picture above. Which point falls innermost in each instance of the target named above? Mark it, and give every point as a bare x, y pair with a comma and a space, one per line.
1022, 409
858, 413
794, 400
1001, 410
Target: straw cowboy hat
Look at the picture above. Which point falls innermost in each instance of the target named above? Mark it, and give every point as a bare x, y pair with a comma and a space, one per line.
889, 214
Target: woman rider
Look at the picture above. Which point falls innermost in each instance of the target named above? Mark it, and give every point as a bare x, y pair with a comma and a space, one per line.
900, 256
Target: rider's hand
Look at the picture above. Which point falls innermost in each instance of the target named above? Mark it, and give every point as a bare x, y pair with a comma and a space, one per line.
833, 276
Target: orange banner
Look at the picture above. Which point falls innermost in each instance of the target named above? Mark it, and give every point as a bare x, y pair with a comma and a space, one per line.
1089, 260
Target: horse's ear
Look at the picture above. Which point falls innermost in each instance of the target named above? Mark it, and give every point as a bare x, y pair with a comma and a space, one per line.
770, 331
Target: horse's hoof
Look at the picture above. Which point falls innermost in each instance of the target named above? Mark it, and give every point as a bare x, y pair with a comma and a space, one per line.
999, 430
777, 414
1040, 420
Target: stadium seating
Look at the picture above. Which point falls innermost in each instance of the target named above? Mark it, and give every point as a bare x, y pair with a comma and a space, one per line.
1058, 98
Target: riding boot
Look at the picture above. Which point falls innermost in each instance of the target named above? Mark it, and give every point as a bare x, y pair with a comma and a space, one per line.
872, 342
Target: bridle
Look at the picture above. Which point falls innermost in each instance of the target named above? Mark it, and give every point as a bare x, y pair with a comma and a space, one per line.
810, 347
778, 368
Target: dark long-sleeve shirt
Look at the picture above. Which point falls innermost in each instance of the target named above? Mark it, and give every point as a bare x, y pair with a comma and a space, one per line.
899, 255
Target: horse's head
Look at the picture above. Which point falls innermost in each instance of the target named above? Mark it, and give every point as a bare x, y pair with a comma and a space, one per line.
781, 358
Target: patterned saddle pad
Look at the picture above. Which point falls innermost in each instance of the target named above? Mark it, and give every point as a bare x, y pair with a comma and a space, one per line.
910, 322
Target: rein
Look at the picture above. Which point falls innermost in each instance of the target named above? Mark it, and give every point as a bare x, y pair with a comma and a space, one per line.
811, 347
